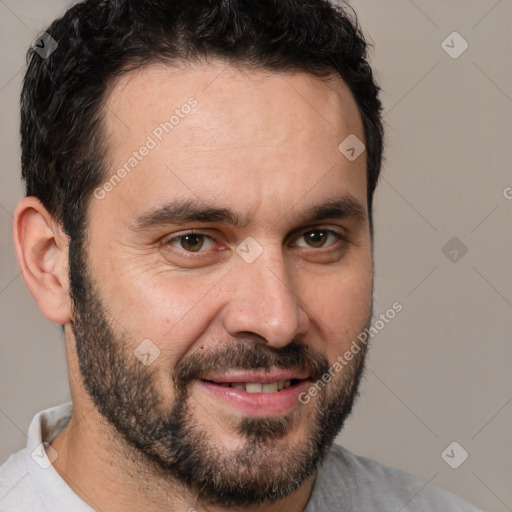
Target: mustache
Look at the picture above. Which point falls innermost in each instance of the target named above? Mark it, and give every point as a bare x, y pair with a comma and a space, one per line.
250, 356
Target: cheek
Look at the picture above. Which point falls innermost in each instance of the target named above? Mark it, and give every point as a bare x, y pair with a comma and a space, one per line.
340, 307
167, 308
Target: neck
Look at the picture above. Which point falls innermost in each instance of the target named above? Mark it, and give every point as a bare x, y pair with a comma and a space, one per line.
108, 474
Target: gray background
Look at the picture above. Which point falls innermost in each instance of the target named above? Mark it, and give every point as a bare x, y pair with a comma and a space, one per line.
440, 371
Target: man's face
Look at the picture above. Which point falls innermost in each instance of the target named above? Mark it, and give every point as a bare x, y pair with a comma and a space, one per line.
196, 337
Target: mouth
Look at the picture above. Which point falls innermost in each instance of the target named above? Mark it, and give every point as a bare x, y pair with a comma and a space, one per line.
254, 393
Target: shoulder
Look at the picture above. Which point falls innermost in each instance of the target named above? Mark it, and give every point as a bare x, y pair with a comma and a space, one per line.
16, 491
366, 483
28, 481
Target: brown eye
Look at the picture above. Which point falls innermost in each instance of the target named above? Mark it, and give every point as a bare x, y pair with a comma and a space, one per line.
316, 238
190, 242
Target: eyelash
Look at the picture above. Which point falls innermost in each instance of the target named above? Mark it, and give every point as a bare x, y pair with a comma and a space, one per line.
169, 241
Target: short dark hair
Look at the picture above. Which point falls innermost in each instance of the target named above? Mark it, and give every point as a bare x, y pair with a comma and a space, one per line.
63, 151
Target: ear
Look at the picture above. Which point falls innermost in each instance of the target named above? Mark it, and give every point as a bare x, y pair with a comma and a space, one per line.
42, 250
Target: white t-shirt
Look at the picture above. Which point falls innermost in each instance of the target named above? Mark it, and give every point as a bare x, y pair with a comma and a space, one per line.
345, 481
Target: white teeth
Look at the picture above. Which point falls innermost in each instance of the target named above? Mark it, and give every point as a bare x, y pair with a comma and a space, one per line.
253, 387
258, 387
270, 387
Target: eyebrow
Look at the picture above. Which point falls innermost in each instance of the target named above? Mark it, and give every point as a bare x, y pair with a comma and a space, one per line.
191, 210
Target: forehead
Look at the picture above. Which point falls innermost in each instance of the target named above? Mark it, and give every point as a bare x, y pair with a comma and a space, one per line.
245, 134
146, 97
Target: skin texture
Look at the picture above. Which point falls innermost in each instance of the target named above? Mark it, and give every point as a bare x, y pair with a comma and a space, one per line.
266, 146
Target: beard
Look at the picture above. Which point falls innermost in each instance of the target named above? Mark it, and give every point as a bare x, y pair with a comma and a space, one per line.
166, 436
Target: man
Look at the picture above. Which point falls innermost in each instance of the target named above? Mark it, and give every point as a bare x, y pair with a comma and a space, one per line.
199, 220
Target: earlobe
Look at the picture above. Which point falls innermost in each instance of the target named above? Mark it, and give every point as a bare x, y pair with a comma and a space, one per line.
42, 252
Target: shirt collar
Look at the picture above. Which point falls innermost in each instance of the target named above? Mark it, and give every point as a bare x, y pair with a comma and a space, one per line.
52, 489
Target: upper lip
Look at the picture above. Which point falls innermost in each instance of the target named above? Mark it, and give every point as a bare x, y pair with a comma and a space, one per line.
264, 377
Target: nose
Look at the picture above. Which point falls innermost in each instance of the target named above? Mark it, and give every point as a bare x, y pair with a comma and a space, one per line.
263, 302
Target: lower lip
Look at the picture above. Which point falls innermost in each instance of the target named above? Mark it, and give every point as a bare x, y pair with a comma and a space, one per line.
257, 404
